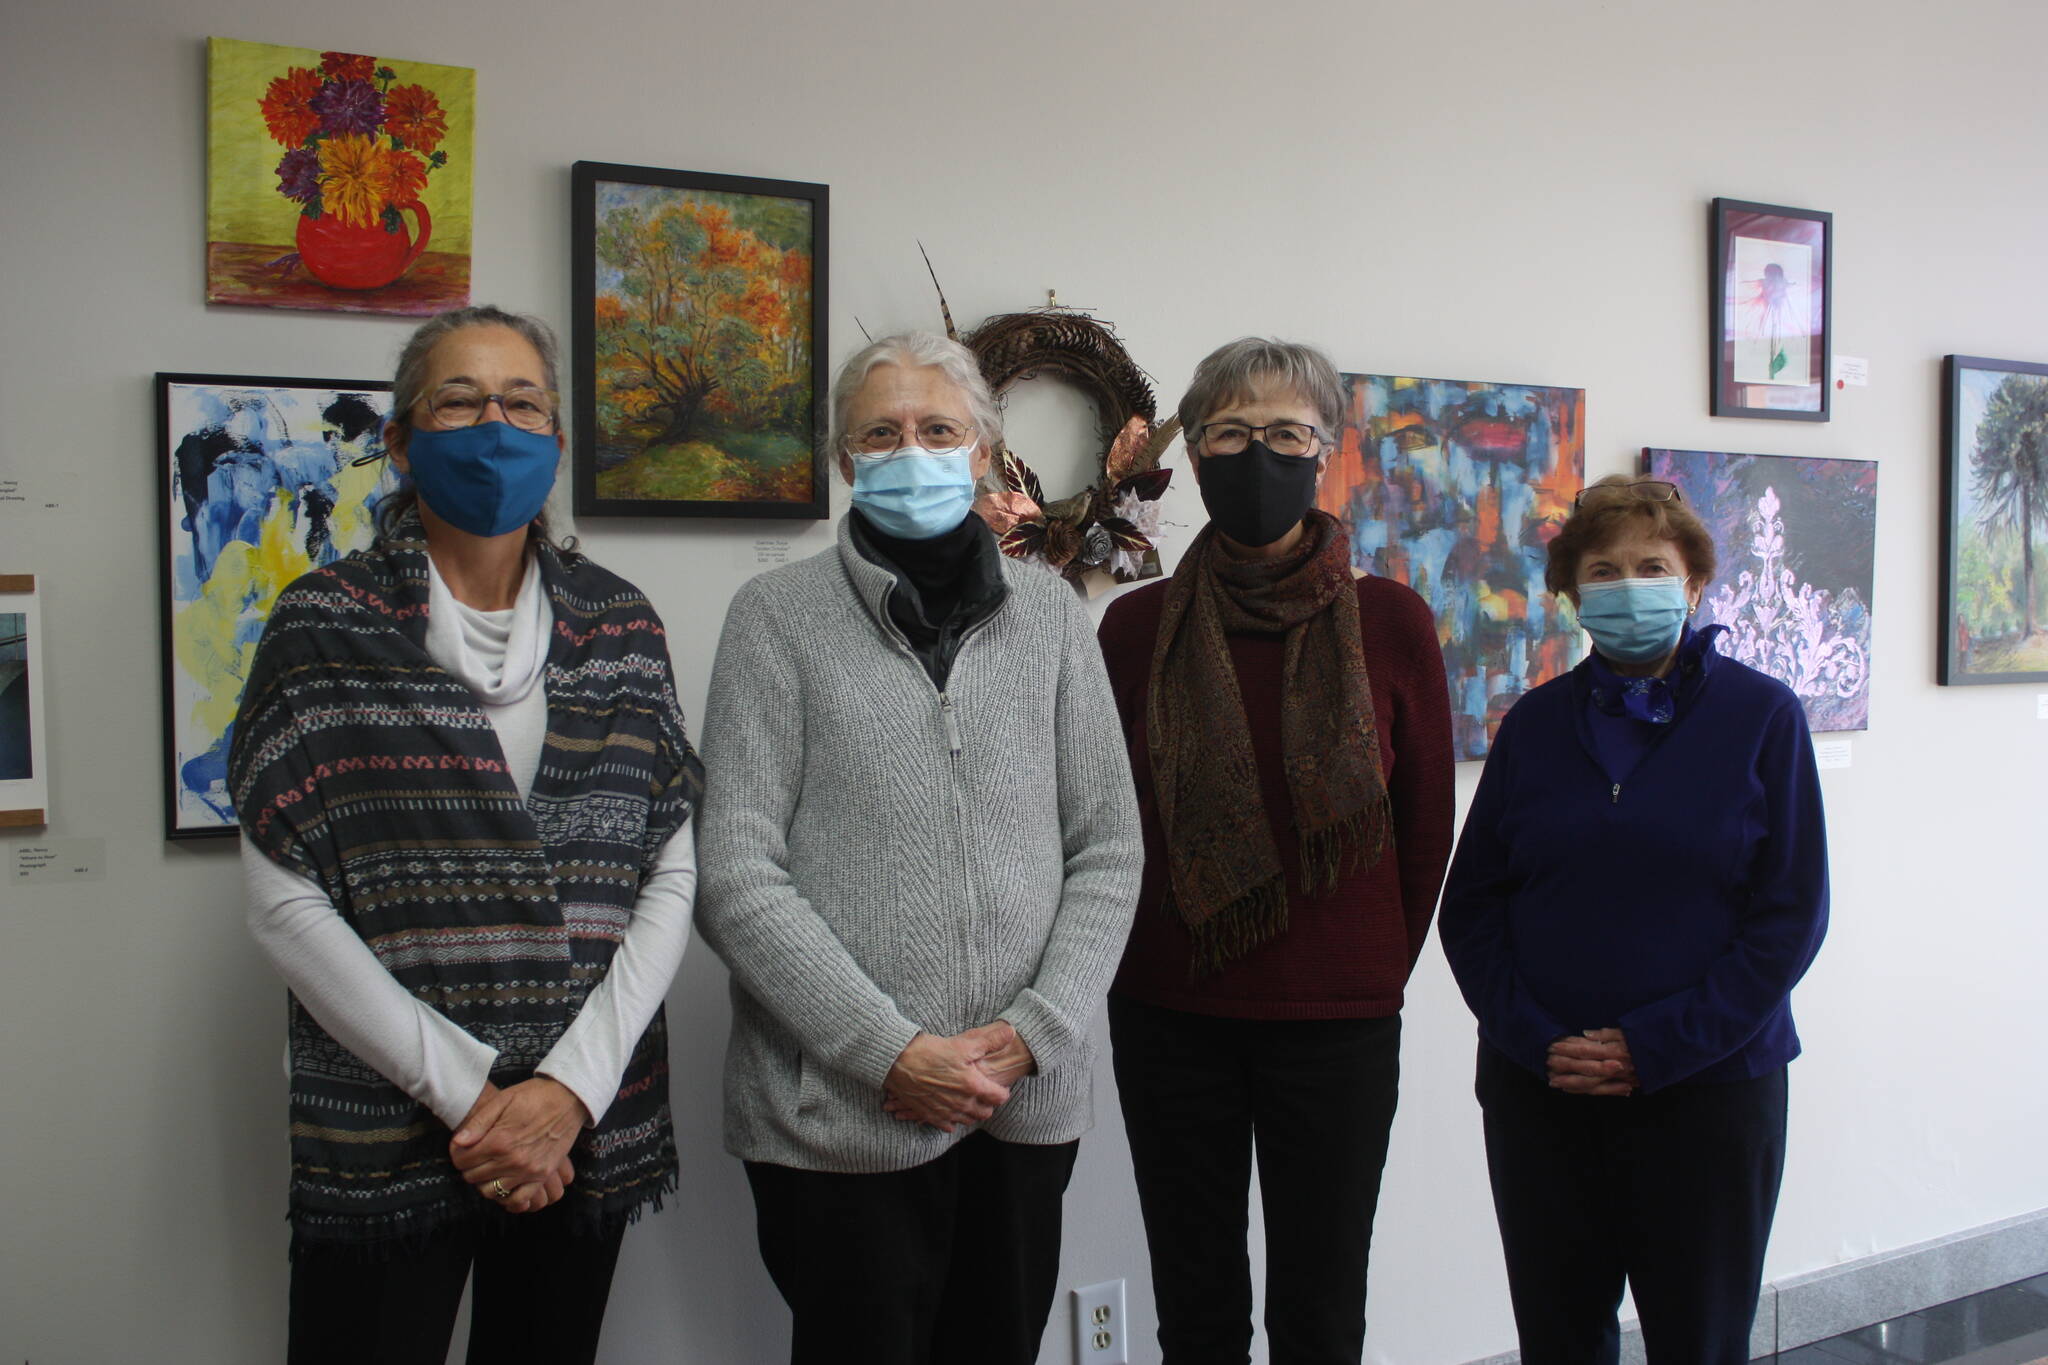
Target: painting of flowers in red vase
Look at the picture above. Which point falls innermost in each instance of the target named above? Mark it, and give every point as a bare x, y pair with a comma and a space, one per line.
337, 181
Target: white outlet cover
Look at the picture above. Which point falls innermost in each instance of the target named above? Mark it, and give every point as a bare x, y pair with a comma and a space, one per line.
1117, 1350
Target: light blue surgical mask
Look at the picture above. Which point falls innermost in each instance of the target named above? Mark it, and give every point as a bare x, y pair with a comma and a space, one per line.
487, 479
913, 493
1634, 620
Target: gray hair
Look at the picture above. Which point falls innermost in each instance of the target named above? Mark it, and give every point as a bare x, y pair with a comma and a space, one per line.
916, 350
1233, 372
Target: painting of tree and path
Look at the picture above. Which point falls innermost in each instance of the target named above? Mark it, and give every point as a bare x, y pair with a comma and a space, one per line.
1995, 523
698, 373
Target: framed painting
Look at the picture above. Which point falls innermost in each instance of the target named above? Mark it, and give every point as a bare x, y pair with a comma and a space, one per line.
260, 480
699, 312
1771, 344
1456, 488
24, 763
1994, 522
337, 181
1796, 541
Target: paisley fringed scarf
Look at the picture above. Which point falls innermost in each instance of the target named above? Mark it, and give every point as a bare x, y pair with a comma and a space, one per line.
360, 763
1226, 883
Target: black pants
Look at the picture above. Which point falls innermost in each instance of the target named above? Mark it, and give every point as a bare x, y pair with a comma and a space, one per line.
539, 1296
1673, 1192
1319, 1096
953, 1260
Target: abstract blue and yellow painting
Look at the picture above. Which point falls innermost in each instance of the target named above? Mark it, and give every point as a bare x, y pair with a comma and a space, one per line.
1797, 543
262, 483
1456, 488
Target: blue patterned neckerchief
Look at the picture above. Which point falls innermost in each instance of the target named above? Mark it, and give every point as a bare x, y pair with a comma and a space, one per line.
1654, 700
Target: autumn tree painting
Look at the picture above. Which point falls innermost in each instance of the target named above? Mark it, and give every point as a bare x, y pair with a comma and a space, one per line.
701, 348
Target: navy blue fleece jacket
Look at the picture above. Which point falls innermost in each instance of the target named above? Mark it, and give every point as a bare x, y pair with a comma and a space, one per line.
1679, 905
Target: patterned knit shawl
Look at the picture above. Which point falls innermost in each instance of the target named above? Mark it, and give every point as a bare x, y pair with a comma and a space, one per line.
362, 764
1226, 881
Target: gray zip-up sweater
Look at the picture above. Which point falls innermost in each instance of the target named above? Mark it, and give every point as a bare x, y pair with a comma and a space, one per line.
878, 857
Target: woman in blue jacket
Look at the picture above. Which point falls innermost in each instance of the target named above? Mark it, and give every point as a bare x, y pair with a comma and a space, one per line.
1641, 880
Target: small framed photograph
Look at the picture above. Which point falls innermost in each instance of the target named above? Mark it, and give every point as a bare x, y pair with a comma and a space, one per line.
259, 480
24, 762
698, 321
1773, 291
1994, 523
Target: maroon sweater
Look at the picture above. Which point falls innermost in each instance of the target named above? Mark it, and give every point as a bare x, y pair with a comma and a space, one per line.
1346, 954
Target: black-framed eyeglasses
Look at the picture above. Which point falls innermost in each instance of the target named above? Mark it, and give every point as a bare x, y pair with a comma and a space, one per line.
940, 434
1296, 439
463, 405
1641, 490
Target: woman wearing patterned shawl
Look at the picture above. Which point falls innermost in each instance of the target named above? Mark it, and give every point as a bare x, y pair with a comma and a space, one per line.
1642, 878
465, 792
1289, 730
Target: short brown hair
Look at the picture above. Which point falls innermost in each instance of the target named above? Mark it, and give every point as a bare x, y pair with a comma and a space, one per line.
1604, 520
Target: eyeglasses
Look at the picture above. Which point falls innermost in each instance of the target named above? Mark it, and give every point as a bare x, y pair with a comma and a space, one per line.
462, 405
1642, 490
1295, 439
886, 438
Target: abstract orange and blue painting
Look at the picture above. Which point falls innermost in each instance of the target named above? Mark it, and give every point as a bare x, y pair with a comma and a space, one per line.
1456, 488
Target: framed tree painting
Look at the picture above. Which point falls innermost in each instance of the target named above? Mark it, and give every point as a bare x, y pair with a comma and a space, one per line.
24, 762
260, 480
1456, 488
1771, 345
699, 313
337, 181
1796, 541
1994, 522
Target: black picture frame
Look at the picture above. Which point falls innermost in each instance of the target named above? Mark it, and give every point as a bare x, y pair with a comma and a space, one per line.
633, 436
347, 417
1964, 654
1759, 257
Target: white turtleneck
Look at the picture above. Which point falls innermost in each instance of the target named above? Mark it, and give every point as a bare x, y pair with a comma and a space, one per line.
502, 657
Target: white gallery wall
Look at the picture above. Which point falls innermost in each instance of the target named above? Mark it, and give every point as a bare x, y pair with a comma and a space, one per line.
1480, 189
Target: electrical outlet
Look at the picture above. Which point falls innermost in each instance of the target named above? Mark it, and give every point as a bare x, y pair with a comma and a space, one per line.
1099, 1325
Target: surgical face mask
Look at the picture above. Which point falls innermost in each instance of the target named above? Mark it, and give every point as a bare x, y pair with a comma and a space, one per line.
1255, 496
913, 493
1634, 620
486, 479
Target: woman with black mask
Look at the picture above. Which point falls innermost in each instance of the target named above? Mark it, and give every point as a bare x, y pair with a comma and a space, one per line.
1289, 731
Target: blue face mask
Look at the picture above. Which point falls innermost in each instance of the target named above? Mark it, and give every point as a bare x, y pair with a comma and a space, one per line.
487, 479
915, 494
1634, 620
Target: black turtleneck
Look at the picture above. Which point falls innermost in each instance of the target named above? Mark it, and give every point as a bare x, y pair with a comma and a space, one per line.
945, 585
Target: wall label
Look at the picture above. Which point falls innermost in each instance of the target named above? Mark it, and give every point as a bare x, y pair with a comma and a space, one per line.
1831, 753
49, 861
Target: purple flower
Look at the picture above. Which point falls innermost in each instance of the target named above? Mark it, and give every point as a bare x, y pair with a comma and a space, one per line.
348, 107
298, 175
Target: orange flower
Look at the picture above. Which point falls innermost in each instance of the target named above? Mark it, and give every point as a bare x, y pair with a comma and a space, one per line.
288, 106
351, 179
348, 66
415, 117
402, 176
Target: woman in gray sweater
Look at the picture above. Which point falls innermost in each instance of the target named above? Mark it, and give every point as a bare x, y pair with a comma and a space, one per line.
920, 855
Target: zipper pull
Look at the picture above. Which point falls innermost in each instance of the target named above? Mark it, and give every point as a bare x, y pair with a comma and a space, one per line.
1617, 795
953, 725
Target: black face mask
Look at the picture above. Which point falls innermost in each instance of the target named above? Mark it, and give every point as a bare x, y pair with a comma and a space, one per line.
1255, 497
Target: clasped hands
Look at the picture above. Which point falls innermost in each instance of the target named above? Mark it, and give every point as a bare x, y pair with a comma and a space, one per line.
1596, 1062
957, 1080
520, 1135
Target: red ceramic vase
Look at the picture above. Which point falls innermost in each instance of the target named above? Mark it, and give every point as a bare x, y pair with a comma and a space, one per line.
347, 257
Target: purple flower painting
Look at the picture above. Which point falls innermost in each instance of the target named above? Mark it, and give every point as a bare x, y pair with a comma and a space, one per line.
1797, 544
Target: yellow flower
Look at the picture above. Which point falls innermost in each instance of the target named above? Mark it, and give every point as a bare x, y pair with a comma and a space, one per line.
351, 179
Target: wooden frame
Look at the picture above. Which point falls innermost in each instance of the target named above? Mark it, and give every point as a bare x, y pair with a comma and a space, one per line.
1986, 500
259, 479
699, 334
1771, 335
24, 756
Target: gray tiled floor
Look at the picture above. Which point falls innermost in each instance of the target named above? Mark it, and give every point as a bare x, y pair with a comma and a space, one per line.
2007, 1326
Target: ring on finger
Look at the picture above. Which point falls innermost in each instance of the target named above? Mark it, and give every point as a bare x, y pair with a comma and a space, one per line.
496, 1189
